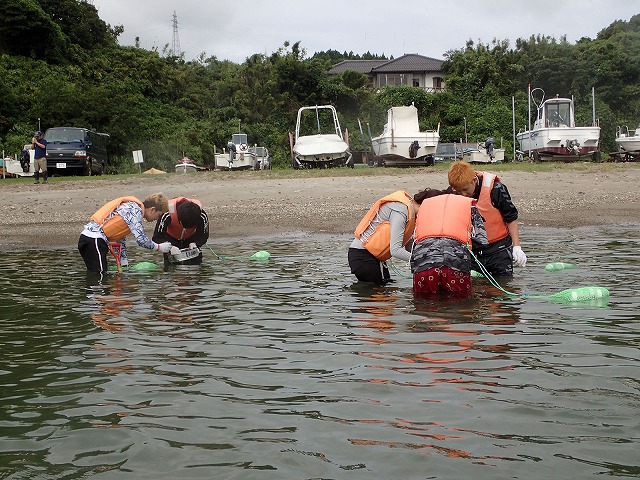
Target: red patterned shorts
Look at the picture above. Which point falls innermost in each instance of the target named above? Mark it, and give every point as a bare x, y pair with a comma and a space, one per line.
442, 279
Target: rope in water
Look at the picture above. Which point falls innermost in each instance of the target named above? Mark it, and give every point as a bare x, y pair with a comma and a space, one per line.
578, 294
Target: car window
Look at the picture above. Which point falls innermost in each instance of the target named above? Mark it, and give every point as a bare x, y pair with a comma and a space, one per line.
64, 135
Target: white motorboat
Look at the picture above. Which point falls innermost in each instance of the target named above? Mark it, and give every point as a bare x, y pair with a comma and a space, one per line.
318, 140
628, 140
242, 156
402, 143
186, 165
22, 167
554, 135
484, 153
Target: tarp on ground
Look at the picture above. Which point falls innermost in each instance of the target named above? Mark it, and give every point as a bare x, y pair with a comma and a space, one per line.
154, 171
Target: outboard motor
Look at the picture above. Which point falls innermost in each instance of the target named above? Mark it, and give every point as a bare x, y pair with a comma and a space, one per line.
25, 160
488, 145
232, 151
573, 147
413, 149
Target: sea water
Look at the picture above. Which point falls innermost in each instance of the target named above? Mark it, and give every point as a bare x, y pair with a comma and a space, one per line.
290, 369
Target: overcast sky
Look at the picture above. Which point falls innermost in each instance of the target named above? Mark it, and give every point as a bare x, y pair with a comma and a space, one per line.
235, 30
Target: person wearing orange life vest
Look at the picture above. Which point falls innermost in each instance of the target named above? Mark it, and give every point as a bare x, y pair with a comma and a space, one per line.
113, 222
184, 225
446, 226
382, 234
500, 217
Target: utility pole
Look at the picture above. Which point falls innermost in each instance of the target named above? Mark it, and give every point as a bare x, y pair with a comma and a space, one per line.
466, 140
175, 50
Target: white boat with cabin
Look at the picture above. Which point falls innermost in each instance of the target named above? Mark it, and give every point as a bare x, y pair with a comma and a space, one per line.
318, 140
242, 156
555, 136
402, 143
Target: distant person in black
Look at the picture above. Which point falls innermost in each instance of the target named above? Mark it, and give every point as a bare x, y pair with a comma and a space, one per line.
40, 157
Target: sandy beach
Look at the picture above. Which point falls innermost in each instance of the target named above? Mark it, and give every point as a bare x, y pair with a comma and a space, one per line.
269, 203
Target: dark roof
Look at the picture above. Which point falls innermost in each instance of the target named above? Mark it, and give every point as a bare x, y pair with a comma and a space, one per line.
410, 63
362, 66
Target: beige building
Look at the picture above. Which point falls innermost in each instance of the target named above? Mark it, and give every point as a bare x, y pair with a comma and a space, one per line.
410, 69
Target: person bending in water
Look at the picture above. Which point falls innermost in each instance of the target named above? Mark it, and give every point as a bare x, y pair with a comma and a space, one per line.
185, 225
500, 217
113, 222
446, 225
381, 234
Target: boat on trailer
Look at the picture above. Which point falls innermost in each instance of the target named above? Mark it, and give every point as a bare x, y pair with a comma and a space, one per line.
318, 140
401, 142
242, 156
19, 167
186, 165
628, 142
485, 152
554, 135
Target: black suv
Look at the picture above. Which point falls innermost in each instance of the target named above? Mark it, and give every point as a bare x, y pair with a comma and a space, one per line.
74, 150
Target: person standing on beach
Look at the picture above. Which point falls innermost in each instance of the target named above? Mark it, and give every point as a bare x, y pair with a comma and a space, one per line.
185, 225
40, 157
113, 222
382, 234
446, 227
500, 217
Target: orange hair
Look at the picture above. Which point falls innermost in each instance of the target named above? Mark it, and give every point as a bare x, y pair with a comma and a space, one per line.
461, 174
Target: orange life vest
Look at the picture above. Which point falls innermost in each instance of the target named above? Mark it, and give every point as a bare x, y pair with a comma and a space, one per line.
445, 216
114, 226
175, 228
377, 242
493, 221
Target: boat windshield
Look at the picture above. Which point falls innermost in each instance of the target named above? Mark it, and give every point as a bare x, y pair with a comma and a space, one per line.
239, 138
558, 114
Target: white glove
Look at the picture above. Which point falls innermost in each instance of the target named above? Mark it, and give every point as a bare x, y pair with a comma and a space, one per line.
175, 251
519, 258
192, 246
164, 247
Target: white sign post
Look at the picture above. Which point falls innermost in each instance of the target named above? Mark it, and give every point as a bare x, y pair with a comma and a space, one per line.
137, 158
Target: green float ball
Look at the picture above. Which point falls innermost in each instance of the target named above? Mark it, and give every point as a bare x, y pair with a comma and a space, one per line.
261, 255
143, 266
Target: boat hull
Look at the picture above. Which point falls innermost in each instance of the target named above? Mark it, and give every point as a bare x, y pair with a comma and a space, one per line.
402, 143
629, 144
400, 147
481, 156
185, 168
241, 161
573, 142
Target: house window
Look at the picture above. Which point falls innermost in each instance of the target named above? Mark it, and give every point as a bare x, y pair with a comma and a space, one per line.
416, 82
437, 83
394, 80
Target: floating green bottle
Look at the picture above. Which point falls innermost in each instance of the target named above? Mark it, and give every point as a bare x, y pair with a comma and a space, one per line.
581, 294
555, 266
